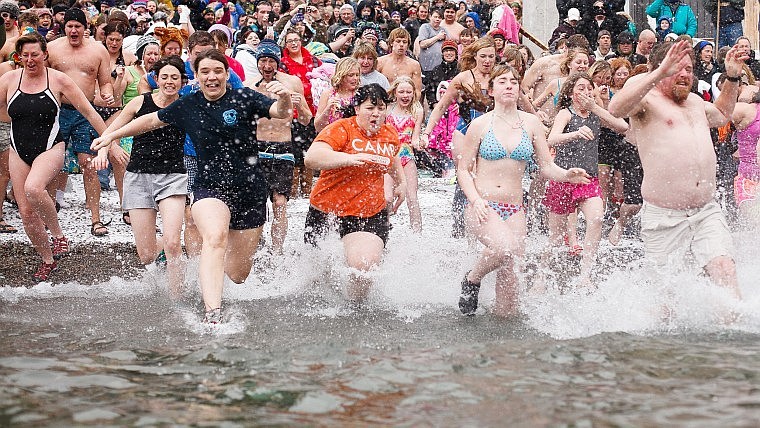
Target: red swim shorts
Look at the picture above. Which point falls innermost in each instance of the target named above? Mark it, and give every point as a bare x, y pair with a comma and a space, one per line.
563, 198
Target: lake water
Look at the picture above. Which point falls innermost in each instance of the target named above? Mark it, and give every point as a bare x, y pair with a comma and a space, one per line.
648, 348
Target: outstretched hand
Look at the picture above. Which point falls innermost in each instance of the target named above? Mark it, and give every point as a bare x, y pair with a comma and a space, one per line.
676, 59
577, 176
735, 61
100, 142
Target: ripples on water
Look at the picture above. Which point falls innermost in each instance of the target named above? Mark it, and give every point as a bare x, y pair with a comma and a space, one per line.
649, 348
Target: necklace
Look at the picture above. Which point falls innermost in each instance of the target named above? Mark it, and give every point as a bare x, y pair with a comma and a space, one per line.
518, 124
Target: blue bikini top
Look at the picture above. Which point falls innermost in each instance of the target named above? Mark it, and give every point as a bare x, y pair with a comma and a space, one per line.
492, 149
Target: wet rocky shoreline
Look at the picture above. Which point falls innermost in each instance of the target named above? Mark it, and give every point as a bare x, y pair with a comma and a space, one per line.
89, 263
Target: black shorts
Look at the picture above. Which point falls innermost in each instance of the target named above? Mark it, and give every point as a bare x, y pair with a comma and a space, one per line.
247, 209
319, 223
303, 136
610, 143
277, 162
633, 174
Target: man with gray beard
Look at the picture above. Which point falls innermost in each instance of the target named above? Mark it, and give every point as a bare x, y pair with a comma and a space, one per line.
671, 126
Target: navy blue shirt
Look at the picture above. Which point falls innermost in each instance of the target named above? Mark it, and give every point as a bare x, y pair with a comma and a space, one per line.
224, 133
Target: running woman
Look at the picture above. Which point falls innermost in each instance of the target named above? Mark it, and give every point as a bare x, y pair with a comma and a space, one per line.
32, 96
230, 192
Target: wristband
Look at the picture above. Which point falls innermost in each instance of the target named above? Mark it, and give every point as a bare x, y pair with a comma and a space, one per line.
736, 79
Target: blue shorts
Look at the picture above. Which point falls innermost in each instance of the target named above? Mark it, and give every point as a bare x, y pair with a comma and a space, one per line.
76, 131
248, 210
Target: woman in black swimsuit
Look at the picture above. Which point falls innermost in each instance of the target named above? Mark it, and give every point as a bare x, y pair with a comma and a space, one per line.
32, 97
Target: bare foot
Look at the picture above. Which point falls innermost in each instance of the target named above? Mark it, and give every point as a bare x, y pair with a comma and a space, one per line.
615, 233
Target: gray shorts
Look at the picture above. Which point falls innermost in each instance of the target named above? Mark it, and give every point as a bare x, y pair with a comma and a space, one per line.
5, 136
146, 190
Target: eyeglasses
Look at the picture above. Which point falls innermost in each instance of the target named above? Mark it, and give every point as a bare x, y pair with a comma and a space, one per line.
292, 41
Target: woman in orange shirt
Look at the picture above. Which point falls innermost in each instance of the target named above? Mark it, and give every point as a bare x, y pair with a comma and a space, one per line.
353, 154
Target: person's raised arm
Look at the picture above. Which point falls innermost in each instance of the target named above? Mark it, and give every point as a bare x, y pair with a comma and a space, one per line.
627, 101
141, 125
283, 108
324, 108
723, 108
614, 123
653, 9
449, 97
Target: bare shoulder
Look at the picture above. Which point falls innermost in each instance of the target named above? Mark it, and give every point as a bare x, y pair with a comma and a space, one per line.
292, 82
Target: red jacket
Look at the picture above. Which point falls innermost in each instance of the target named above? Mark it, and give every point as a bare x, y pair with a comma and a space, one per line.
290, 66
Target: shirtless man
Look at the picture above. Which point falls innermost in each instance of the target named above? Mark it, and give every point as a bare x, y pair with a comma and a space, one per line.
275, 139
450, 23
396, 63
545, 69
87, 63
9, 11
672, 131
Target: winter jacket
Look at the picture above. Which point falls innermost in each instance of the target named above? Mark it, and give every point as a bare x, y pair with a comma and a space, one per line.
683, 21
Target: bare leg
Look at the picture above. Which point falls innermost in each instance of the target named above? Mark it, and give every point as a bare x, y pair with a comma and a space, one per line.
172, 213
91, 185
722, 271
307, 179
593, 211
507, 291
605, 183
5, 177
240, 250
193, 240
279, 223
35, 206
627, 211
144, 229
364, 252
212, 217
415, 216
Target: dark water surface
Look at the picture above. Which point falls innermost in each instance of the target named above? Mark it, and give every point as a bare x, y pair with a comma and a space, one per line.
145, 362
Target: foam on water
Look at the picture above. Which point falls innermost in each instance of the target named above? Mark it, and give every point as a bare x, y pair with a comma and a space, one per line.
421, 275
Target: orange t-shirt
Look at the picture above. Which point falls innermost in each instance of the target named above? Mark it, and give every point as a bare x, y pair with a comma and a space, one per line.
355, 190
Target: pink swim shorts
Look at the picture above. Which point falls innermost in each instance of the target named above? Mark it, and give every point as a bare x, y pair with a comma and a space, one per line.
563, 198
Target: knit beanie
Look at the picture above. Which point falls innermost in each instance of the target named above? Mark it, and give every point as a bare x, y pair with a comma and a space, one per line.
269, 49
10, 8
75, 14
142, 43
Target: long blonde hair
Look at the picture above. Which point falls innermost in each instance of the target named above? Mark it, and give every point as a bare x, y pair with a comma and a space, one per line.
415, 105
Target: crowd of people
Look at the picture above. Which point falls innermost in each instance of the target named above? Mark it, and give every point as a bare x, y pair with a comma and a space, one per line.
206, 112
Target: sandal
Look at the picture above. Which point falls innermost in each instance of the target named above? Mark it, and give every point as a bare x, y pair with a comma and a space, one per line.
576, 251
7, 228
98, 229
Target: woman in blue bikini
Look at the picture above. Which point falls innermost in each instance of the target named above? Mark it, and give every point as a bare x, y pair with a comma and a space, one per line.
495, 152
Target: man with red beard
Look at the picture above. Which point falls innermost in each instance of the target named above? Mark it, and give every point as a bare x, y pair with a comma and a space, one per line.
672, 131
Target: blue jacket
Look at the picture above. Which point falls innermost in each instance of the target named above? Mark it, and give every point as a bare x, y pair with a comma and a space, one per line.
684, 21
